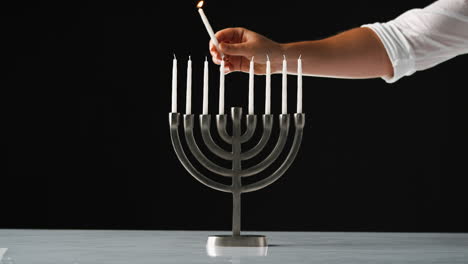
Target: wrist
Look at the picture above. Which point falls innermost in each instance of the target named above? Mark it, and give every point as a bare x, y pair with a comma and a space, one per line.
276, 59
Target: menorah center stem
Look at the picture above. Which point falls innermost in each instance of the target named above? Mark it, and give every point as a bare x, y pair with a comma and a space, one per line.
236, 114
236, 142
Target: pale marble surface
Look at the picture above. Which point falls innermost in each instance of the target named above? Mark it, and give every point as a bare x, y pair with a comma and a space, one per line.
2, 252
159, 247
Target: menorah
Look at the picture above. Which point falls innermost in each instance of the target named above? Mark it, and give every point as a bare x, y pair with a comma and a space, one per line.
236, 156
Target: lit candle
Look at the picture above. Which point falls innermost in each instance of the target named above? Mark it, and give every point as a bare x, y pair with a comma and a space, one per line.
221, 88
205, 88
299, 85
174, 85
208, 27
284, 106
268, 87
251, 87
188, 98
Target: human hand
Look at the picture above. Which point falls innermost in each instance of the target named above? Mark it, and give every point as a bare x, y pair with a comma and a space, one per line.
239, 45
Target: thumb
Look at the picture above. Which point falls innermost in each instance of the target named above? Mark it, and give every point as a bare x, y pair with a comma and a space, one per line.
239, 49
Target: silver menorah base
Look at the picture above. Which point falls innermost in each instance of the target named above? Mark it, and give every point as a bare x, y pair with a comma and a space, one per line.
236, 156
237, 241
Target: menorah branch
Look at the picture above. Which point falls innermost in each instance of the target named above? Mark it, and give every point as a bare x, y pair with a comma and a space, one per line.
267, 126
284, 130
299, 123
205, 124
174, 128
221, 122
192, 144
251, 124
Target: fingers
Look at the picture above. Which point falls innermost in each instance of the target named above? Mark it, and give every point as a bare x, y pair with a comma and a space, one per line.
214, 52
234, 48
238, 49
226, 38
217, 59
228, 66
240, 64
229, 51
230, 35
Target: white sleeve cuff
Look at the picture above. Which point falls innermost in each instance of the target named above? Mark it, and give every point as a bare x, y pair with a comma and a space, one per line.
398, 49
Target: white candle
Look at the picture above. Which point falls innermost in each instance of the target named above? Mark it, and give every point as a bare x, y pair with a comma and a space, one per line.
208, 27
188, 98
251, 87
299, 85
268, 87
284, 106
205, 88
174, 85
221, 88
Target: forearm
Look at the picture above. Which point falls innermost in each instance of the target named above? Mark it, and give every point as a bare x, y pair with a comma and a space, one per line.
357, 53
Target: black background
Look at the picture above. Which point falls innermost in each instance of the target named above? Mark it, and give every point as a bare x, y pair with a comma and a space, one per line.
85, 141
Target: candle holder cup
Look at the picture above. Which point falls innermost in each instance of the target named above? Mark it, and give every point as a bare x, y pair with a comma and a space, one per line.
236, 156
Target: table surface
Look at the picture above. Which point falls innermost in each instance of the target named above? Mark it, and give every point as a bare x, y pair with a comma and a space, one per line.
158, 247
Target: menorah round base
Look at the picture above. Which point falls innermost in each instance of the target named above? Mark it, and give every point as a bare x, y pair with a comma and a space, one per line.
237, 241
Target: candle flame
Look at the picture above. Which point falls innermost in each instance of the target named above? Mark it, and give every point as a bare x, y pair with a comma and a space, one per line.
268, 58
200, 4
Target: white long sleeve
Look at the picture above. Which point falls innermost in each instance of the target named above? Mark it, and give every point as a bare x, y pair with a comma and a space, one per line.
422, 38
